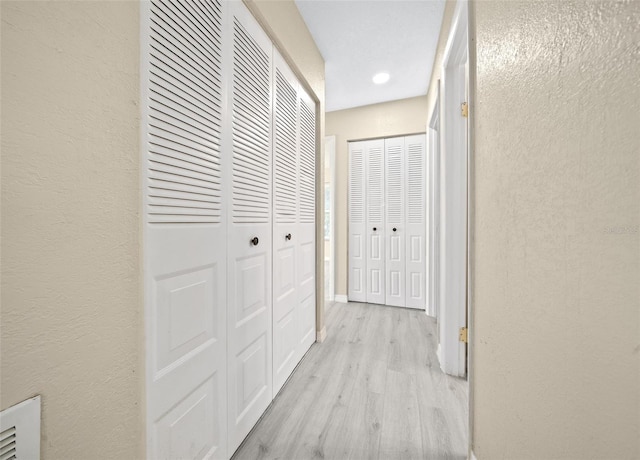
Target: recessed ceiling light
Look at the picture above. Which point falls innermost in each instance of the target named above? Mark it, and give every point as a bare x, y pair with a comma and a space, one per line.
381, 78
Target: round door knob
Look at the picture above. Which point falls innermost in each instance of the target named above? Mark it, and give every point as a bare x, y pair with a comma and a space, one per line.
287, 237
374, 229
255, 241
394, 229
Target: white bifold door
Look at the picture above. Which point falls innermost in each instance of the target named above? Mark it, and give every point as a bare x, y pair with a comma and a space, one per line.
416, 222
294, 223
185, 219
357, 246
375, 218
249, 239
387, 224
395, 222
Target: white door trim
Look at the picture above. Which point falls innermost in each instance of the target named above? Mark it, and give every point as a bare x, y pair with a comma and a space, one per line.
453, 296
433, 194
330, 152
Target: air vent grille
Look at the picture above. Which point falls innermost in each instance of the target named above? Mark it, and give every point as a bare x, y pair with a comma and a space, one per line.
8, 444
20, 431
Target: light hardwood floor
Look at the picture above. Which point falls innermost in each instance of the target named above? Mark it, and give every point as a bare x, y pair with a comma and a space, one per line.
372, 390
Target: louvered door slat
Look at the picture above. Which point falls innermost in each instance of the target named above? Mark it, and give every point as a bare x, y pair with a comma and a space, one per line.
394, 184
285, 144
307, 163
192, 64
167, 188
157, 175
191, 156
179, 31
174, 106
251, 128
416, 182
375, 182
180, 148
356, 184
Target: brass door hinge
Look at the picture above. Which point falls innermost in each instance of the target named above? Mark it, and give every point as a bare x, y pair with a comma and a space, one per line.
464, 110
463, 334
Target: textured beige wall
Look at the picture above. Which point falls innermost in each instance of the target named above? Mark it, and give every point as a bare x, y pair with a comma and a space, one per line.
557, 247
406, 116
284, 24
71, 306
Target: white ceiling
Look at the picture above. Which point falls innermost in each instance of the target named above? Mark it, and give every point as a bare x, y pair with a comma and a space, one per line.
359, 38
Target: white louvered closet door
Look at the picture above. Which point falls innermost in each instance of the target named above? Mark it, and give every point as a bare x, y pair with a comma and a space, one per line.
395, 263
185, 217
357, 248
415, 153
249, 240
286, 311
374, 174
306, 234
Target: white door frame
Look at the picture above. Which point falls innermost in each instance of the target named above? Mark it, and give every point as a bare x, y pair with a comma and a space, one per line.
330, 155
433, 190
453, 213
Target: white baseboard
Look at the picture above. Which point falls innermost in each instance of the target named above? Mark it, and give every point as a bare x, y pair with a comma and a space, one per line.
473, 456
321, 335
341, 298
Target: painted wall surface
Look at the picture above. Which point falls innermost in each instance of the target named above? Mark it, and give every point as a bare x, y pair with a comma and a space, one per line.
557, 244
406, 116
71, 299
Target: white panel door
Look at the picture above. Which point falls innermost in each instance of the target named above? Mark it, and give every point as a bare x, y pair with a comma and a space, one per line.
375, 231
306, 235
395, 285
286, 311
185, 217
415, 155
250, 238
357, 224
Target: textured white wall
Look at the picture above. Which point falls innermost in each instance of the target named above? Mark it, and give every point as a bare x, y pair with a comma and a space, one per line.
557, 249
71, 305
406, 116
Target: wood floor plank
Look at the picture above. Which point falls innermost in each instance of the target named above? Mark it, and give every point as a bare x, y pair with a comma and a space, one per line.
372, 390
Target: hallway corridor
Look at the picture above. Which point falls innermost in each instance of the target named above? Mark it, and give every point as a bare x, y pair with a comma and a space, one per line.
372, 390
